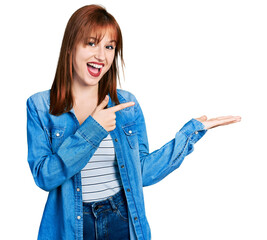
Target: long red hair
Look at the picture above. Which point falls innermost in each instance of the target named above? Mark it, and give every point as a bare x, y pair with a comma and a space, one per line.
85, 21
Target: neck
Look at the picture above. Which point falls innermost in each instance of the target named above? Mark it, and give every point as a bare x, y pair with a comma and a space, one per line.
84, 93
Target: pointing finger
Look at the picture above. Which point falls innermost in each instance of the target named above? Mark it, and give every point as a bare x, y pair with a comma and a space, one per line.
122, 106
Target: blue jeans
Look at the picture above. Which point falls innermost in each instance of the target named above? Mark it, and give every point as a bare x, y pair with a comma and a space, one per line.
106, 219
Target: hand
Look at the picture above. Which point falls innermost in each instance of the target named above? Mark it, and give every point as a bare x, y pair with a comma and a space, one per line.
219, 121
107, 117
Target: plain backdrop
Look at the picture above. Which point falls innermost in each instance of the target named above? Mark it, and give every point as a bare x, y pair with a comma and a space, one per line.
183, 59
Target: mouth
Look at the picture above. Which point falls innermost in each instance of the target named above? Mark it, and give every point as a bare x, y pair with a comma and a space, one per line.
94, 69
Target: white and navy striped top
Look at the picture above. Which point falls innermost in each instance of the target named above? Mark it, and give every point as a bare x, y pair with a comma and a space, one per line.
101, 177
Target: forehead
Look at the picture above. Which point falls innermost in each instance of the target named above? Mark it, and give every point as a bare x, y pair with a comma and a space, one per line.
99, 33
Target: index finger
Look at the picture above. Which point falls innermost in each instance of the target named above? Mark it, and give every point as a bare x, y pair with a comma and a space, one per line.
122, 106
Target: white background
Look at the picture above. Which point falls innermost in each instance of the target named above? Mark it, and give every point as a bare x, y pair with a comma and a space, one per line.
183, 59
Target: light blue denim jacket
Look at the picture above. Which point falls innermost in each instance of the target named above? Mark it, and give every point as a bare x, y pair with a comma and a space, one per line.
59, 147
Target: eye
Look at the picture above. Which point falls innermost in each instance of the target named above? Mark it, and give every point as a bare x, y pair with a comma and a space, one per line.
92, 44
110, 47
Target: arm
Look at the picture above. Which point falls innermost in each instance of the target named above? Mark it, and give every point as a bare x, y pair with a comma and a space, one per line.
158, 164
50, 170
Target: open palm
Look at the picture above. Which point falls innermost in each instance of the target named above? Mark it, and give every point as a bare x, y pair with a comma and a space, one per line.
219, 121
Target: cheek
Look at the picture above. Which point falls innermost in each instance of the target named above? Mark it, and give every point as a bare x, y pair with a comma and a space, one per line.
78, 64
75, 63
111, 59
78, 60
76, 68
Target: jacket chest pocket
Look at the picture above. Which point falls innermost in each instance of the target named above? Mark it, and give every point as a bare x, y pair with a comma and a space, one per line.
55, 137
130, 131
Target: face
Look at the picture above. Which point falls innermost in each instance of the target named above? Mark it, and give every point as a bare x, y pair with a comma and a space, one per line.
93, 60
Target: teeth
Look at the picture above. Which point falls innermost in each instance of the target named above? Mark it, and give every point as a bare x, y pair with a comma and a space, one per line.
95, 65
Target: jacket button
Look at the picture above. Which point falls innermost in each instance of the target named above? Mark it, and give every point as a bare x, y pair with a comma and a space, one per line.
128, 190
78, 189
78, 217
122, 166
130, 131
116, 140
135, 218
57, 134
196, 132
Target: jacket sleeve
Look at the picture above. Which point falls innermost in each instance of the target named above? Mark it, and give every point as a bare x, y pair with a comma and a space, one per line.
161, 162
51, 170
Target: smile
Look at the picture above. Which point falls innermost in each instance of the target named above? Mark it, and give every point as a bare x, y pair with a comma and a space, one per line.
94, 69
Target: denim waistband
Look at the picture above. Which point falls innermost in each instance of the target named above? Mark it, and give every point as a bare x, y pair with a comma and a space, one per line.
112, 201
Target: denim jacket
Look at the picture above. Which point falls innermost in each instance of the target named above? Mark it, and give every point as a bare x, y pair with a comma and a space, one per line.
59, 148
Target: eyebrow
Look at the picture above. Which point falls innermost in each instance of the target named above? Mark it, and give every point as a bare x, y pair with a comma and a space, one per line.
109, 41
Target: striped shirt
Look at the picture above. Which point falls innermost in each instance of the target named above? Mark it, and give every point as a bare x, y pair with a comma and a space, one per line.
101, 177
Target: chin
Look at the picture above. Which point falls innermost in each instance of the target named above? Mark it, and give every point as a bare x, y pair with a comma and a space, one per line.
92, 82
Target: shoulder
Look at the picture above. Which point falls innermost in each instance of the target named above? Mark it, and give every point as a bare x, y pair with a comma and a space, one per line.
39, 100
126, 96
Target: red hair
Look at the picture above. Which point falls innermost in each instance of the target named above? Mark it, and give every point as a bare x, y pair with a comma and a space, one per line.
85, 21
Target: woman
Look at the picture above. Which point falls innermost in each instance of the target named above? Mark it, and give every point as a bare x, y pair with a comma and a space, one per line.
87, 141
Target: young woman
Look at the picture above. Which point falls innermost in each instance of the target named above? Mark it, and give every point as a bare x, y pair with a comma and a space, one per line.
87, 140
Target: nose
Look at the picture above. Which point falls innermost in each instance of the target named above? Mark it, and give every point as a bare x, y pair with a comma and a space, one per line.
100, 54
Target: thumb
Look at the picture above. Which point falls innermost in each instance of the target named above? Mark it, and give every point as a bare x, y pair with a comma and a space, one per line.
202, 118
103, 103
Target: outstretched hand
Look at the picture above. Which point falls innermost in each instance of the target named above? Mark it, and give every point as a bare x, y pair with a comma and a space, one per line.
219, 121
107, 117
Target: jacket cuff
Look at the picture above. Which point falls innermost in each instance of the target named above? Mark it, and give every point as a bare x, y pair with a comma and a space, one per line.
194, 130
92, 131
